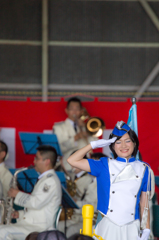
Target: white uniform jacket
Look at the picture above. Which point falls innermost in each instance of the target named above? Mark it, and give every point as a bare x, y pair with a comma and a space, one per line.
120, 183
42, 204
65, 134
5, 178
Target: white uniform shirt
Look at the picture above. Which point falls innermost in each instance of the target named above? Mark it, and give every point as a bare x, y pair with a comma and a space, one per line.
40, 207
119, 184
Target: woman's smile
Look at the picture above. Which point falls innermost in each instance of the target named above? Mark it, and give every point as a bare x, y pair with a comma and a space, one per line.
124, 147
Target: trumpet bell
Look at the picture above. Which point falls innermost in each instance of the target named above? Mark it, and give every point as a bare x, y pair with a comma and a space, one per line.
95, 126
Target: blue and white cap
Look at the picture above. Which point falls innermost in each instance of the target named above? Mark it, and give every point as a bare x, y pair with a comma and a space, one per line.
120, 129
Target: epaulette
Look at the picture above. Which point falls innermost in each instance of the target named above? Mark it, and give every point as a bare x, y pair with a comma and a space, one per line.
145, 164
148, 165
49, 175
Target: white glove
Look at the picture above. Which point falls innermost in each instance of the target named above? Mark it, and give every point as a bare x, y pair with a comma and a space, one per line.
102, 143
145, 234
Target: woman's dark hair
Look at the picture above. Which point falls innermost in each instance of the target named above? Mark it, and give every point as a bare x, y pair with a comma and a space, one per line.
133, 138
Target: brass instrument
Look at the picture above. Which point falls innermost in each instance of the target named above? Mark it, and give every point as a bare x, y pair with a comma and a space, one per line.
66, 214
8, 206
94, 125
71, 188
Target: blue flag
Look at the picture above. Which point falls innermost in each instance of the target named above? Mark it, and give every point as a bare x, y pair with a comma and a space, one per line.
132, 121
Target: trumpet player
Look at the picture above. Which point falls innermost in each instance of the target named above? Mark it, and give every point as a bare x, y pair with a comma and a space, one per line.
40, 207
5, 174
71, 133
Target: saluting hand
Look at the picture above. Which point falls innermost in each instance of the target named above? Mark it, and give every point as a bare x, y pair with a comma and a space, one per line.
102, 143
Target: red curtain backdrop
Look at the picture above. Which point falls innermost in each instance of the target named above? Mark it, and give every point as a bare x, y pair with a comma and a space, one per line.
36, 116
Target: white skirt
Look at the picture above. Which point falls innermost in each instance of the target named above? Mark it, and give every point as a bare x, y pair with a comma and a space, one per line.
110, 231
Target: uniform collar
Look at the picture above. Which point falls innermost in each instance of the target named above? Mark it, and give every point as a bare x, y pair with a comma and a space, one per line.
70, 121
44, 173
132, 159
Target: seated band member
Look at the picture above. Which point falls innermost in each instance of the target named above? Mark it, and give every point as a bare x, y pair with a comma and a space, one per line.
5, 174
40, 207
71, 133
86, 193
123, 185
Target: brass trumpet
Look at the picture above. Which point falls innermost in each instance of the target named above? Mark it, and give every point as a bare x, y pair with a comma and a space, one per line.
94, 125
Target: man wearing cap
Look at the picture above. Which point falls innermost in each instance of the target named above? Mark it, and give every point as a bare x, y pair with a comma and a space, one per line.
123, 185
